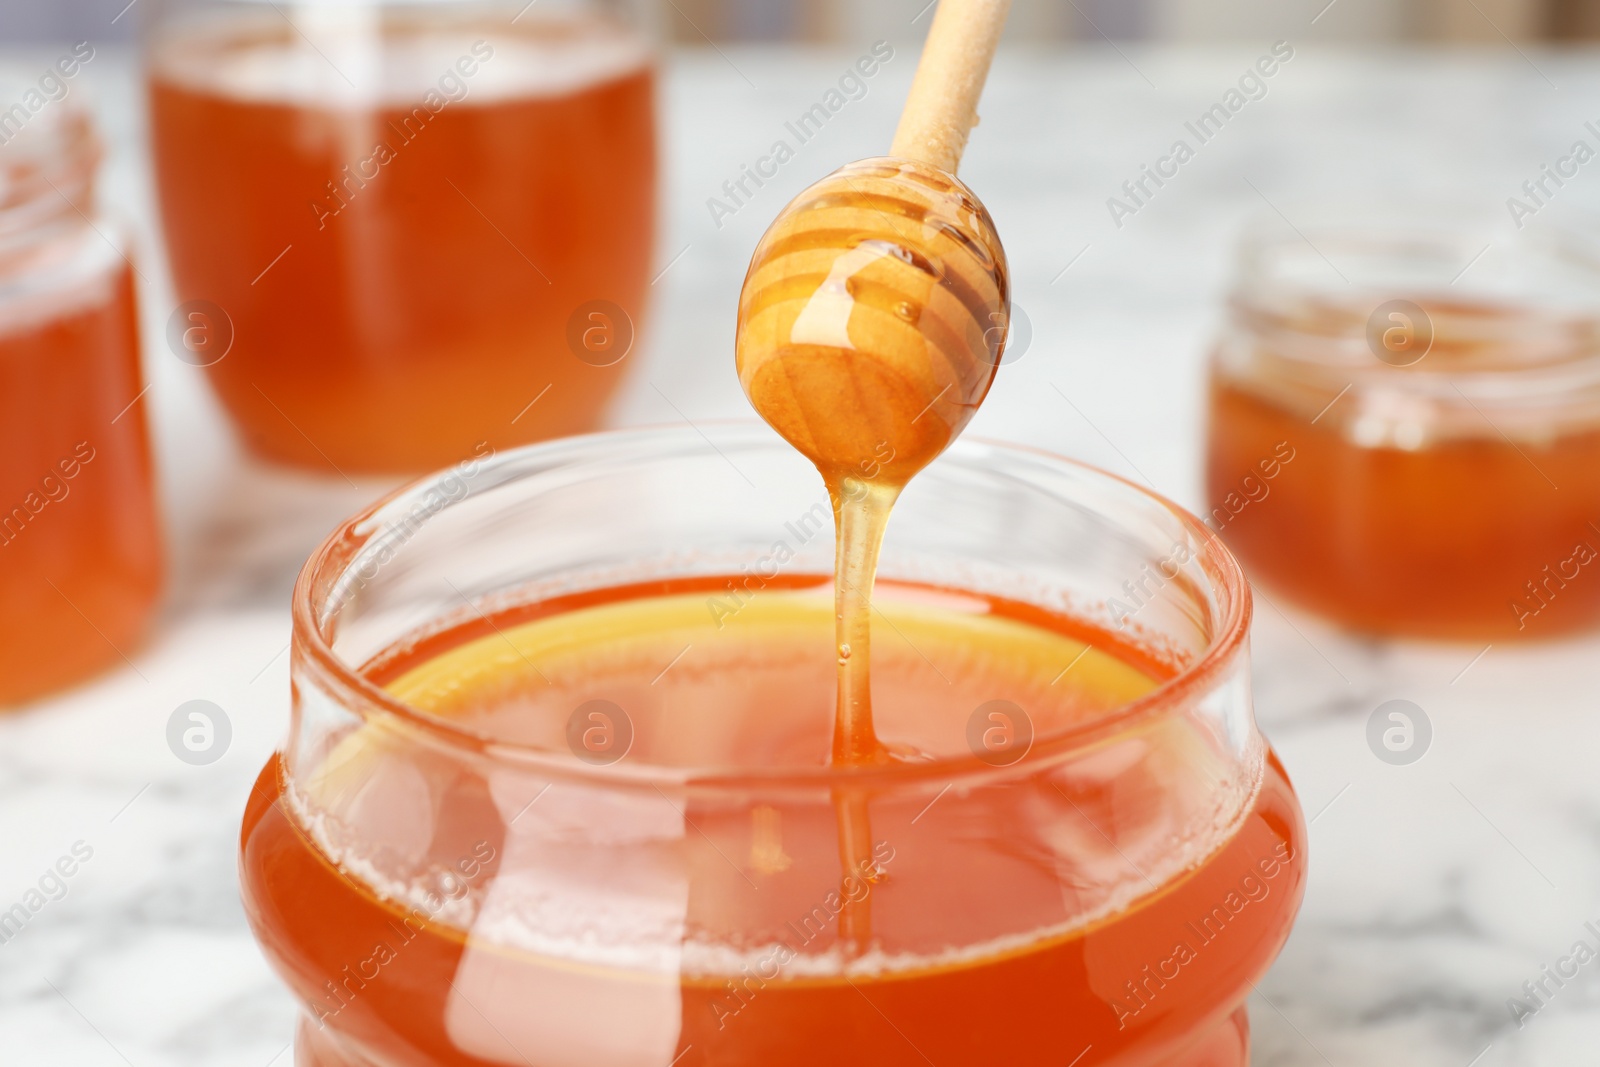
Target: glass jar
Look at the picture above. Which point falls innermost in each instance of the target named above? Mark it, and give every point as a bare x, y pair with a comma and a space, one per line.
80, 553
1405, 427
435, 891
429, 224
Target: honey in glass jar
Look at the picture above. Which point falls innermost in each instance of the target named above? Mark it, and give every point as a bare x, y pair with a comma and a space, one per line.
559, 786
429, 224
1406, 439
80, 553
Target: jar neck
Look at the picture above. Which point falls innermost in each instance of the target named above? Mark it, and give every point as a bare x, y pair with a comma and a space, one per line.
1422, 330
1345, 333
1150, 573
47, 184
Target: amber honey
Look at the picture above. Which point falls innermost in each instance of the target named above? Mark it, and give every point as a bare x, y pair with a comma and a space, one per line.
80, 557
871, 323
1454, 496
1462, 540
80, 552
1042, 944
404, 215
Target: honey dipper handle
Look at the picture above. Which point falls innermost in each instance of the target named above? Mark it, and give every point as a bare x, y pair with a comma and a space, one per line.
943, 105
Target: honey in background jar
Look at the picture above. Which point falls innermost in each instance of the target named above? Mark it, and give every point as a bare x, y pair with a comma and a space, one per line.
417, 221
1406, 456
80, 550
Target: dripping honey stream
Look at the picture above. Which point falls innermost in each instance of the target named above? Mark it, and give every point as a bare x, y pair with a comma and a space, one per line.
871, 324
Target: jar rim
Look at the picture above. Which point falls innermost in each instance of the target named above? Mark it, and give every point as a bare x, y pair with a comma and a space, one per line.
319, 577
47, 170
1290, 290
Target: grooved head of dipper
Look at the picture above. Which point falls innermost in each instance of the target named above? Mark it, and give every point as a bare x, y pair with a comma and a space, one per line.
873, 318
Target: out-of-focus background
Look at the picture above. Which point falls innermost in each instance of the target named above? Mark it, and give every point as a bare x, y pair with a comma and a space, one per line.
1437, 891
1489, 21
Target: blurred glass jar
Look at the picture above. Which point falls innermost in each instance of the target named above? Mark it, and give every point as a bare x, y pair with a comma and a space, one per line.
80, 552
1405, 428
426, 225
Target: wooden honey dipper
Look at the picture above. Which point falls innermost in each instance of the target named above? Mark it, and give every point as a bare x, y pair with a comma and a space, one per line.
875, 308
872, 321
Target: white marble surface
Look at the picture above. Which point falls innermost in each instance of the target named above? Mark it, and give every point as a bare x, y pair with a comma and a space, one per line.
1436, 889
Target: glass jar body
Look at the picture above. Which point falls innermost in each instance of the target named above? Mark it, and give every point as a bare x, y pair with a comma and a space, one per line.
1447, 488
436, 897
420, 218
80, 550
